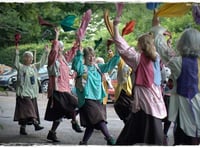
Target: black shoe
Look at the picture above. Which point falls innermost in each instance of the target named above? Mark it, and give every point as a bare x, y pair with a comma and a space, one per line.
82, 143
52, 136
38, 127
23, 131
76, 127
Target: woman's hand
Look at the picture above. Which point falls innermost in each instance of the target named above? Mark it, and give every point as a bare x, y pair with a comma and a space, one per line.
47, 48
57, 33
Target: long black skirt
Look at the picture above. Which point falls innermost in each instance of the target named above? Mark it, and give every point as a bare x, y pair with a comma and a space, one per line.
26, 110
141, 129
123, 106
181, 138
61, 105
92, 113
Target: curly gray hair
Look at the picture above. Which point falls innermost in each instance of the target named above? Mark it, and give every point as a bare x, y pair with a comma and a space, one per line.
189, 43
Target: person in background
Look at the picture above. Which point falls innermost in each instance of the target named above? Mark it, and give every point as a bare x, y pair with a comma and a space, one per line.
91, 92
166, 97
184, 106
106, 80
167, 85
61, 103
123, 91
27, 90
148, 109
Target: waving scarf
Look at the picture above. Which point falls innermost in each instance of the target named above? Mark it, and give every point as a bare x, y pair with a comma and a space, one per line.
85, 21
151, 5
68, 22
17, 38
196, 14
97, 43
108, 23
119, 8
128, 28
173, 9
42, 22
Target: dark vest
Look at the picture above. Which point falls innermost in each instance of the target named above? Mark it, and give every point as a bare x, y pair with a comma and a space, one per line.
187, 83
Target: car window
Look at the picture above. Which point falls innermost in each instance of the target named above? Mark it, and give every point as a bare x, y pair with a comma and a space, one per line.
43, 69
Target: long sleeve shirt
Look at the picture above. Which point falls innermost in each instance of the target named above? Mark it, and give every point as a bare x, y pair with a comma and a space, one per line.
60, 83
148, 99
27, 77
93, 89
124, 81
189, 112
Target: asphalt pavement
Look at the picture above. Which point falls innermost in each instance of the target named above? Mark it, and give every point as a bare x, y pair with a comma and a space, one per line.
9, 130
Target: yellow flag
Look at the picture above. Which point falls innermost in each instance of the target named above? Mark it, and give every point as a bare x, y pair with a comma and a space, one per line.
173, 9
108, 23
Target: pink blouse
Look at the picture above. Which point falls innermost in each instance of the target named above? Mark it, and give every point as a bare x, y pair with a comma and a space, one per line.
60, 83
149, 99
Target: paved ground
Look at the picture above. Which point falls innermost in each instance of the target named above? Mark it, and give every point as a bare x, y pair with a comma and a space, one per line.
9, 130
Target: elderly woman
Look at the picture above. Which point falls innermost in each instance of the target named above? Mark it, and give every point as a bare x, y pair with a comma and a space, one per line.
184, 107
91, 92
27, 89
61, 103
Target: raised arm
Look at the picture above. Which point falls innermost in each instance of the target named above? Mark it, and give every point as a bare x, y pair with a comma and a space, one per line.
69, 55
128, 54
77, 63
54, 49
17, 63
43, 59
161, 44
110, 64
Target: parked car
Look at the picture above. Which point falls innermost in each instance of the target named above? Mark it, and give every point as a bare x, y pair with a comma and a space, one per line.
4, 68
7, 79
44, 79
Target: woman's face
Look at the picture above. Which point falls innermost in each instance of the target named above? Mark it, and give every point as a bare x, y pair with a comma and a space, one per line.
28, 59
90, 59
61, 49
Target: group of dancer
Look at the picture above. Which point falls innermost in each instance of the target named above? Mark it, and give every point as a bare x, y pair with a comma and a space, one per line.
139, 98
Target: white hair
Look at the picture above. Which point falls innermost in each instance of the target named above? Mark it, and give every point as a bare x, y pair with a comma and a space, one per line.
61, 44
157, 30
100, 60
28, 53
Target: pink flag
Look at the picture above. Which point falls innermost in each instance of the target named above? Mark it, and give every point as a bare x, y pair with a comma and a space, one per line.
196, 14
119, 7
85, 21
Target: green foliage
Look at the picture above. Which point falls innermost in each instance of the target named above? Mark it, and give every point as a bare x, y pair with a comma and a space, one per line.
8, 54
23, 18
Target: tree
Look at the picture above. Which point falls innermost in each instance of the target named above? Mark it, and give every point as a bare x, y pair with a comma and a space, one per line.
23, 18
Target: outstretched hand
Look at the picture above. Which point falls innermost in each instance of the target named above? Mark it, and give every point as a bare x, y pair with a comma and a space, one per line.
47, 48
57, 32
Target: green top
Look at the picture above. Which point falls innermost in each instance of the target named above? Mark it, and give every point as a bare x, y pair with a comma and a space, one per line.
93, 88
27, 77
